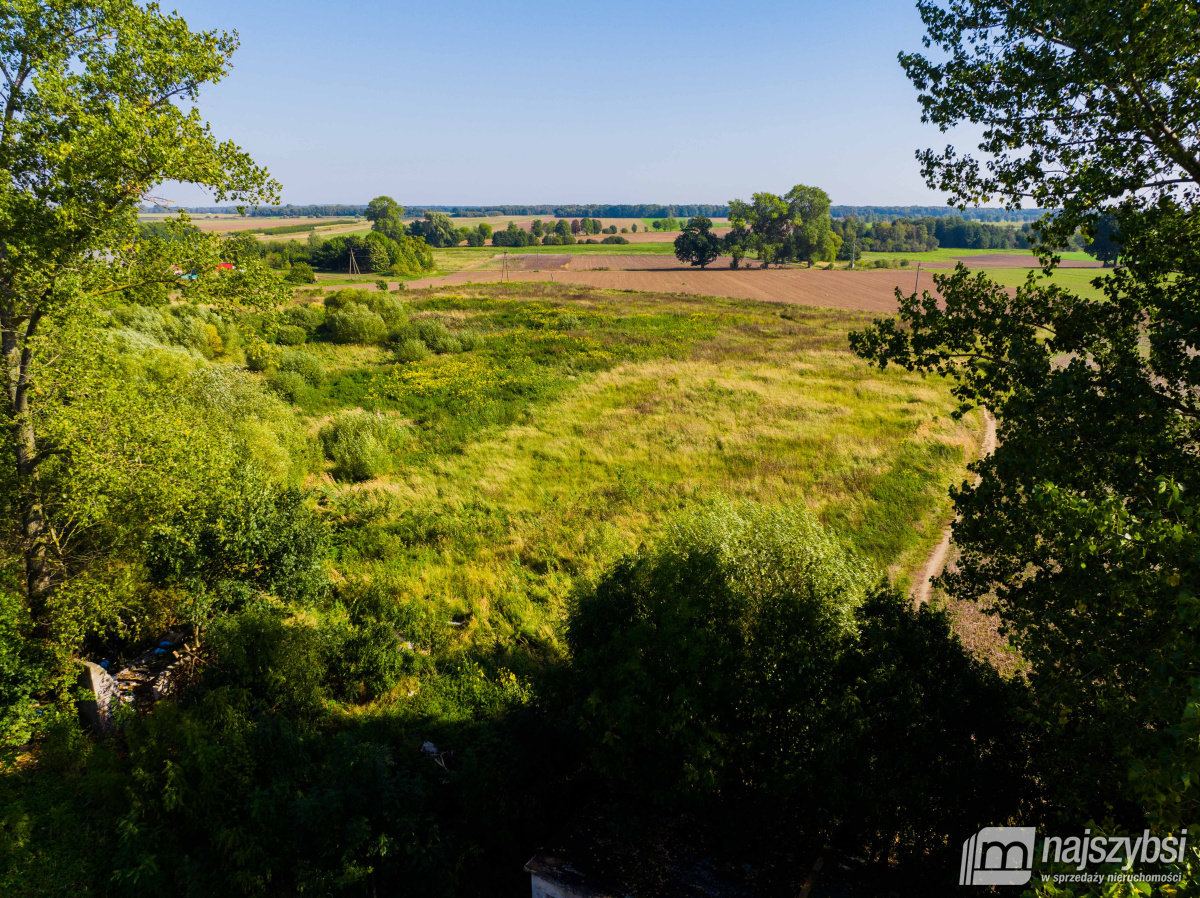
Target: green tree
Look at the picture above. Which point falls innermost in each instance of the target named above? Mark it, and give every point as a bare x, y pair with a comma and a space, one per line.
92, 124
1083, 524
768, 222
697, 245
437, 229
813, 238
386, 217
1103, 240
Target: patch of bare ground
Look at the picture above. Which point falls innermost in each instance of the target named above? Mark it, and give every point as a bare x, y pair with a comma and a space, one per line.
980, 634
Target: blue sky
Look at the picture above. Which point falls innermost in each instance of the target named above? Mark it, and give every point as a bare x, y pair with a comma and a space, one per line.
600, 101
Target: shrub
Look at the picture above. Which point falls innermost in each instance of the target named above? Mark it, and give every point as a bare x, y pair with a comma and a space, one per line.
259, 356
307, 366
280, 663
290, 335
256, 534
21, 672
434, 334
702, 663
307, 316
288, 384
370, 661
390, 309
615, 239
387, 307
300, 273
381, 285
361, 445
355, 325
412, 350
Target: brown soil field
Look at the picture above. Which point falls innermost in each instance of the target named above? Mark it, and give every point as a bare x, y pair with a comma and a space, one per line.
870, 291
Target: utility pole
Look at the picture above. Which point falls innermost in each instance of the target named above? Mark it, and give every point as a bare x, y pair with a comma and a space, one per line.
353, 264
854, 249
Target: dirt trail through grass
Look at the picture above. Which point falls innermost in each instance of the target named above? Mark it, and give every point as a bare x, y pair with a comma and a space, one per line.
923, 581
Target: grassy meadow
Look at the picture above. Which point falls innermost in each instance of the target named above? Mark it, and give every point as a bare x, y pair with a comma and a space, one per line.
580, 420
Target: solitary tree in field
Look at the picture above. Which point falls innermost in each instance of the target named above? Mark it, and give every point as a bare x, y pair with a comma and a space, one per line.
96, 113
697, 245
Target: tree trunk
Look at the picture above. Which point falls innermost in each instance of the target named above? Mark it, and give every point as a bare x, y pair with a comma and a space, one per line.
17, 361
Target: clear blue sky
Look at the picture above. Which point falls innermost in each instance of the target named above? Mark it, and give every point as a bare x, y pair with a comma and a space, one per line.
604, 101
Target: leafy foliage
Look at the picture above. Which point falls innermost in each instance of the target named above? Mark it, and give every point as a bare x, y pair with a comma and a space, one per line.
361, 445
705, 660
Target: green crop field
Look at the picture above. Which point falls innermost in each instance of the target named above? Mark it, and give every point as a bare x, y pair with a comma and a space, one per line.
945, 254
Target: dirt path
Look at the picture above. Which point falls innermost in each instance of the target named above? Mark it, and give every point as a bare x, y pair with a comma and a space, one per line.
936, 561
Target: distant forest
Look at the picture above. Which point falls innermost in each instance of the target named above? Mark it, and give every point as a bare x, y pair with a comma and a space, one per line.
644, 210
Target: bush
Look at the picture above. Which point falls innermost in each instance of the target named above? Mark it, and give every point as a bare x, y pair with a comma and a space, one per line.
260, 357
435, 335
412, 350
290, 335
615, 239
288, 384
361, 445
22, 673
307, 366
254, 537
280, 663
300, 273
344, 299
370, 661
702, 664
381, 285
387, 307
307, 316
355, 325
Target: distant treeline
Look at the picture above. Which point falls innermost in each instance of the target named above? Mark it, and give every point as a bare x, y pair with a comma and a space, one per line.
651, 210
643, 210
892, 213
327, 211
916, 235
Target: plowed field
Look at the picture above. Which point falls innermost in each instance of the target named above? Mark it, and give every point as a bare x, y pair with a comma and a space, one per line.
872, 291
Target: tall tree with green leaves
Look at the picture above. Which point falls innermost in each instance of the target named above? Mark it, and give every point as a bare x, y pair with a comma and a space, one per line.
386, 217
768, 219
698, 245
1085, 526
98, 101
813, 238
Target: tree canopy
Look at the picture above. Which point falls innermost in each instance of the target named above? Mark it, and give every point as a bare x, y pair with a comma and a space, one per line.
698, 245
1082, 524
